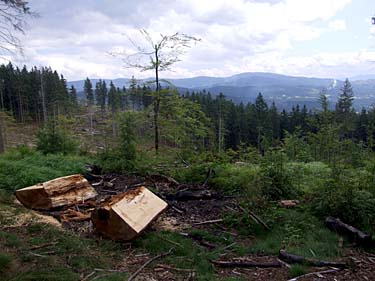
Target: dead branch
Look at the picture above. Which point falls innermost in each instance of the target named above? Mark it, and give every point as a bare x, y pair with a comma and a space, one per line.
135, 274
246, 264
315, 273
208, 176
208, 222
187, 195
164, 178
43, 245
198, 238
88, 276
174, 268
291, 258
255, 218
229, 246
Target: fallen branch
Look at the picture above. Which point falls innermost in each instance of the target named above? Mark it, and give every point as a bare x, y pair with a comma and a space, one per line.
164, 178
43, 245
97, 183
88, 276
291, 258
164, 266
200, 240
170, 241
208, 176
135, 274
229, 246
189, 195
315, 273
246, 264
208, 222
351, 232
255, 218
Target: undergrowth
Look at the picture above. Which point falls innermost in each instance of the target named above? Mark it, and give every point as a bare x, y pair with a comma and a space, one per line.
24, 167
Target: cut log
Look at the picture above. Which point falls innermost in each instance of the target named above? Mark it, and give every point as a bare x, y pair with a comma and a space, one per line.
291, 258
353, 234
123, 217
64, 191
288, 203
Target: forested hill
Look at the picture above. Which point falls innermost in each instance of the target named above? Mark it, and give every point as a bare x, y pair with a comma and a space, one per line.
286, 91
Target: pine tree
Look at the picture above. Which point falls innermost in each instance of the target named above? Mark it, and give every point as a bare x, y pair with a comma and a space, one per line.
345, 111
88, 92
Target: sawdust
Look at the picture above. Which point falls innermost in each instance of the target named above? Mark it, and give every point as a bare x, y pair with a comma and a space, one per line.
15, 219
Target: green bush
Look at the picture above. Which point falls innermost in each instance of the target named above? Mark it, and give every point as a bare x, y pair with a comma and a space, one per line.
344, 197
113, 161
52, 139
276, 182
127, 137
233, 178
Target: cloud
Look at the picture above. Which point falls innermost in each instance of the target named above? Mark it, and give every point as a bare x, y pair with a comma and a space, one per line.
75, 37
337, 25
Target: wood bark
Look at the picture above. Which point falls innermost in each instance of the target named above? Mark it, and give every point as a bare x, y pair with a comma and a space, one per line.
353, 234
124, 216
64, 191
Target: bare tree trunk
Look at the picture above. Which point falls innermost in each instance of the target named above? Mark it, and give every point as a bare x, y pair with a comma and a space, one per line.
43, 98
2, 148
114, 123
91, 113
157, 101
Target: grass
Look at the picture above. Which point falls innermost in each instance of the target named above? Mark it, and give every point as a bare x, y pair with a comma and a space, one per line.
24, 167
5, 262
297, 270
68, 258
298, 232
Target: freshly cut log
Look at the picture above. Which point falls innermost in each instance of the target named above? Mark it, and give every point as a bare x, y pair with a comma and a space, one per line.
58, 192
124, 216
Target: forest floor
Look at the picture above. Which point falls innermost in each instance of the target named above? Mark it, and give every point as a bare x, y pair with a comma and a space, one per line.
36, 246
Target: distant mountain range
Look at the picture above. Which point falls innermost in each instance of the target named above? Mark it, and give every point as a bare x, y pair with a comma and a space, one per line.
285, 91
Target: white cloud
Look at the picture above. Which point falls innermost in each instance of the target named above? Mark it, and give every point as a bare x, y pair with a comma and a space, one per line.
75, 37
337, 25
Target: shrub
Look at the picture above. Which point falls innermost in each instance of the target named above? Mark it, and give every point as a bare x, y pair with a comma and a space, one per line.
127, 137
52, 139
345, 198
232, 178
276, 182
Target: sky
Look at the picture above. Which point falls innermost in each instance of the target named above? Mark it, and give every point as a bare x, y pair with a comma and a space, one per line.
314, 38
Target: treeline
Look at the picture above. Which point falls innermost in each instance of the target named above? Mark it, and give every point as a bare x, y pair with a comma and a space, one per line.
263, 126
36, 94
41, 93
113, 99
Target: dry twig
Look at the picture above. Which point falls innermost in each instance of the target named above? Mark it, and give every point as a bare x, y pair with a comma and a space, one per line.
135, 274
